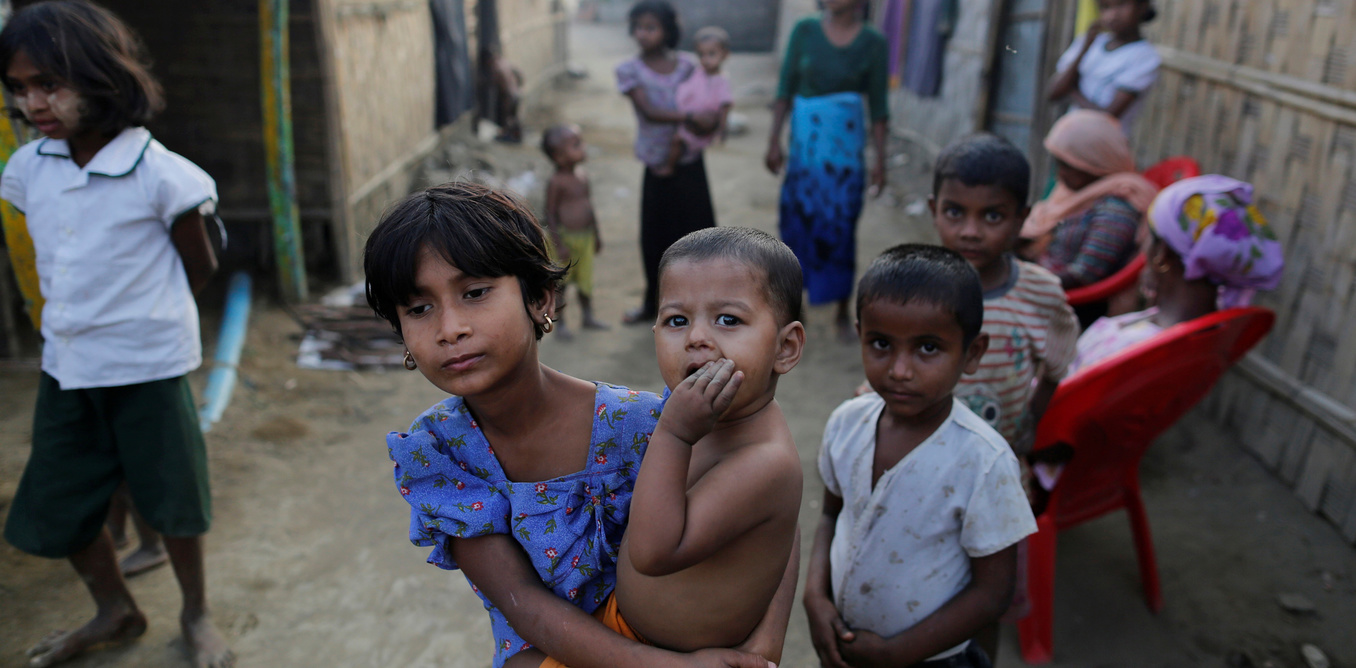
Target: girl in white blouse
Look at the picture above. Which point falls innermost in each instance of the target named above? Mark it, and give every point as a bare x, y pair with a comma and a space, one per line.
1112, 66
120, 247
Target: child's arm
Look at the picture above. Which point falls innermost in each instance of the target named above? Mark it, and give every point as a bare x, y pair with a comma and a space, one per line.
769, 637
980, 603
189, 234
776, 157
827, 628
498, 566
553, 218
880, 132
654, 114
670, 528
1061, 346
1066, 80
1040, 399
593, 217
723, 127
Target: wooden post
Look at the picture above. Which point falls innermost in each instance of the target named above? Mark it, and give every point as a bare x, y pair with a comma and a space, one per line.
348, 245
276, 86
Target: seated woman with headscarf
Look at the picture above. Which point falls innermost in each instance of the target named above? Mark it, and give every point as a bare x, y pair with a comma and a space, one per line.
1210, 248
1085, 230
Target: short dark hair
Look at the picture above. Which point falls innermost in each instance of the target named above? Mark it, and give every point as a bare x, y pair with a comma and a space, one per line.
481, 231
756, 249
984, 160
94, 52
1152, 12
550, 138
661, 10
715, 34
930, 274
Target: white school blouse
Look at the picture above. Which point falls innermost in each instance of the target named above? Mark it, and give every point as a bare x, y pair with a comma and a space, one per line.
119, 308
902, 550
1131, 67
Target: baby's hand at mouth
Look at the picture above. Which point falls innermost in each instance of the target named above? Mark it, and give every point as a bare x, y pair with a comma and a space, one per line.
698, 402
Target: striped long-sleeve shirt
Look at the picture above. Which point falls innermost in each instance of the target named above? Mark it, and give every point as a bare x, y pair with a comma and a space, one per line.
1092, 246
1032, 333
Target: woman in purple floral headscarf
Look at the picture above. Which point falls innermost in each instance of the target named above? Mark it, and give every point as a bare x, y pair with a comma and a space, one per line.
1210, 249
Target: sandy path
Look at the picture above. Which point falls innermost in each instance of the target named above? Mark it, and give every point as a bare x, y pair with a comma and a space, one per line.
309, 564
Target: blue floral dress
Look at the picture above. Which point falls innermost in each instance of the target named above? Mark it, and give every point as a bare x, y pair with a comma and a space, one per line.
571, 527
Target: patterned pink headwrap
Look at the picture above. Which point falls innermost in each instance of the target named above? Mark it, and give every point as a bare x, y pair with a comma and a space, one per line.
1211, 223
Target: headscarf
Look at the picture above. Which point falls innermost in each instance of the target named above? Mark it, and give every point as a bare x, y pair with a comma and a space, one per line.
1211, 223
1092, 142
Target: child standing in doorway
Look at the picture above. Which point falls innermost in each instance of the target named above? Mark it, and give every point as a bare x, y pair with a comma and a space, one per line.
121, 247
916, 549
570, 219
707, 90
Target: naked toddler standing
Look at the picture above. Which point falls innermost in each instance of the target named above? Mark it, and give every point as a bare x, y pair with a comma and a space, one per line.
570, 219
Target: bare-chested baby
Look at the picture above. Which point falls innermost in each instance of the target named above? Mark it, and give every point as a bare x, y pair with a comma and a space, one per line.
570, 220
713, 528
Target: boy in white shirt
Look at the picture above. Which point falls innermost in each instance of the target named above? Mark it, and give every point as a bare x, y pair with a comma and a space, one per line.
923, 505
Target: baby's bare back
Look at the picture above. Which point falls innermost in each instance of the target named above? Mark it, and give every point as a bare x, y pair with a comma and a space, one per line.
574, 208
718, 602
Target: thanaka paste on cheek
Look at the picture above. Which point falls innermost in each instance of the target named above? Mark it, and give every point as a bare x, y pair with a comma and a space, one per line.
67, 106
21, 103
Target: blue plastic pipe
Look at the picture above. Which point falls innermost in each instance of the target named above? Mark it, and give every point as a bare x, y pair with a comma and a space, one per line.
221, 381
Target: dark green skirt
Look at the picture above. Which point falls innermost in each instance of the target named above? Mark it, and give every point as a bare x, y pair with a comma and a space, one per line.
86, 442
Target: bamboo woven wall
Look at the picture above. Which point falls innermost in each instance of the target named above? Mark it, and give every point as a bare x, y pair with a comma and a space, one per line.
383, 52
533, 35
1262, 90
380, 103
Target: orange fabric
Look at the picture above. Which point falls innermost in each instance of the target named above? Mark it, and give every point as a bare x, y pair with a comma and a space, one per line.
612, 619
1092, 142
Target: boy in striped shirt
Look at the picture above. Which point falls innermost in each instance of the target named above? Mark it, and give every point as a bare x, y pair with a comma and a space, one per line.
978, 203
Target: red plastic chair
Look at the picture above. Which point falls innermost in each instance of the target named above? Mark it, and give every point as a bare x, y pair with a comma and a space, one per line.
1124, 279
1110, 413
1172, 170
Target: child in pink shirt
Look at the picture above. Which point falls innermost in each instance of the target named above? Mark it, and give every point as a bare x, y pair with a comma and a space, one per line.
706, 90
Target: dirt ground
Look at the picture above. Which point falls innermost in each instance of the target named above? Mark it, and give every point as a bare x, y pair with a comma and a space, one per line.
308, 560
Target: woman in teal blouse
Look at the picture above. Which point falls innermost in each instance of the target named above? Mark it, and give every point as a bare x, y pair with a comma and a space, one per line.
832, 60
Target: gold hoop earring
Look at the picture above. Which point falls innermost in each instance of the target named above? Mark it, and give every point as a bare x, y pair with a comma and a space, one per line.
549, 326
409, 362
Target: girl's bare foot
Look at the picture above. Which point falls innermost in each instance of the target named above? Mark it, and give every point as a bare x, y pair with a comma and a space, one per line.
106, 627
143, 560
205, 642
